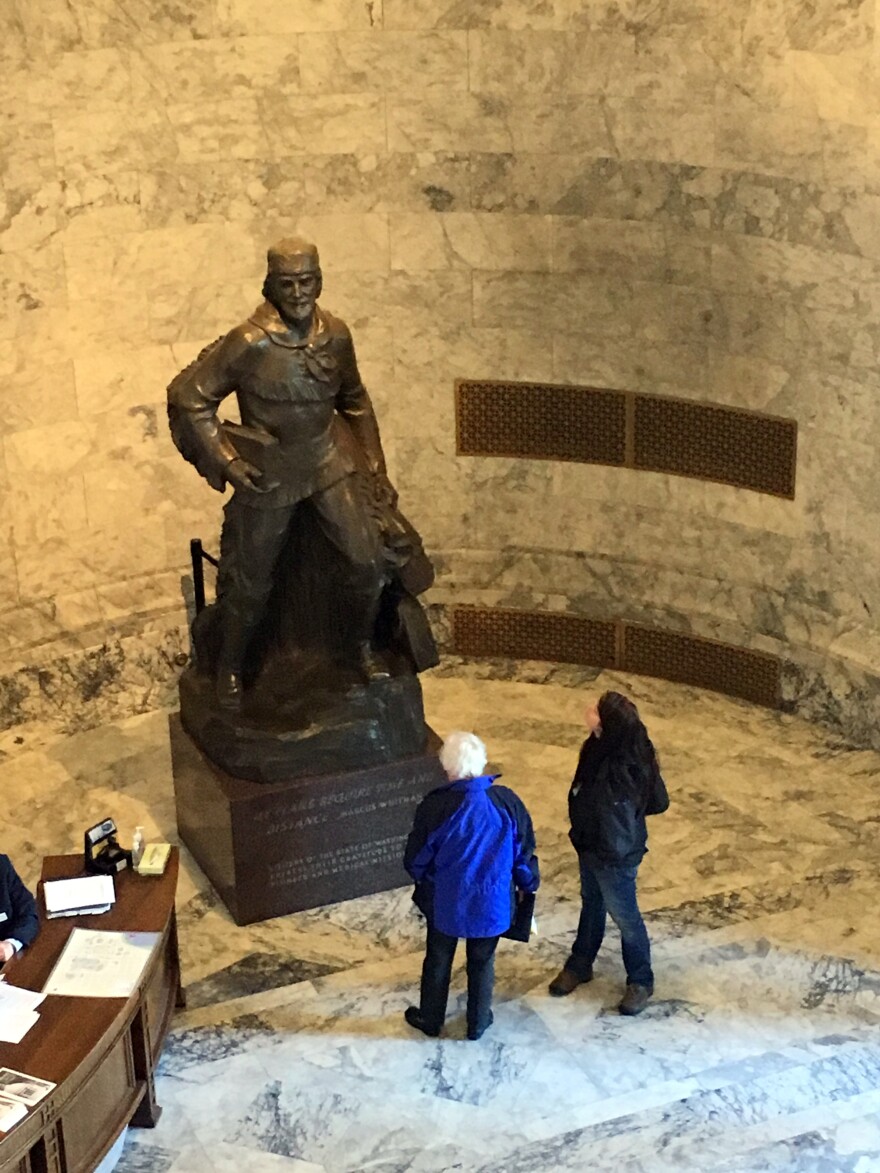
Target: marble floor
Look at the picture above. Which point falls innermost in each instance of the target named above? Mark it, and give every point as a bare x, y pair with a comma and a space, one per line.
760, 1050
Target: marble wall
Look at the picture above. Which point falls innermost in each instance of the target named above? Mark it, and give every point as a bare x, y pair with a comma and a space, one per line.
678, 196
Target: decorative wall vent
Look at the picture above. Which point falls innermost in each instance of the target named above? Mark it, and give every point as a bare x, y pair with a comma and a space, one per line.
541, 421
533, 635
653, 651
627, 429
742, 448
616, 643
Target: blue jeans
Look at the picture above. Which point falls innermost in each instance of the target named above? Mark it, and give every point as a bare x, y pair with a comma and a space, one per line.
611, 890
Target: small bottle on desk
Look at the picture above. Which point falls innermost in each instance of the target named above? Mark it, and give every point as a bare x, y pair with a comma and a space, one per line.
137, 847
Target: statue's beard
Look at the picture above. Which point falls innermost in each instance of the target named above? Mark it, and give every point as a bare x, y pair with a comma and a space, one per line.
295, 311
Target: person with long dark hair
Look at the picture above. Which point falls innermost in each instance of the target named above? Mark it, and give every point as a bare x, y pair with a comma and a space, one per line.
616, 784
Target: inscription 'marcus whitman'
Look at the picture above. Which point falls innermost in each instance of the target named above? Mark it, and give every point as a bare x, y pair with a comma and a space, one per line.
318, 808
316, 820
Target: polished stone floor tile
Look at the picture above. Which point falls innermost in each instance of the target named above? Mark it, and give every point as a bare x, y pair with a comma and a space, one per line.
759, 1051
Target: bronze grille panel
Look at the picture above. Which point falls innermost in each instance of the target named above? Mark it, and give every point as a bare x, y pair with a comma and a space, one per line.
533, 635
753, 676
649, 651
716, 444
624, 428
537, 420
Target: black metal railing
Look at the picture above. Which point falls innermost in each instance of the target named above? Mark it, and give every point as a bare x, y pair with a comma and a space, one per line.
199, 557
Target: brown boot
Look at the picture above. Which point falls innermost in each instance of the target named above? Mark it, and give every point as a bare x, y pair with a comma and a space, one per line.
567, 980
635, 999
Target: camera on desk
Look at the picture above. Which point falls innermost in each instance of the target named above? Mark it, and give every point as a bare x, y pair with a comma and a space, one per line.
102, 853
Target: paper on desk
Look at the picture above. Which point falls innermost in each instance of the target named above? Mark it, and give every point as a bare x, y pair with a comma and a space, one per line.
15, 1023
89, 910
17, 1012
11, 1111
99, 964
15, 998
83, 892
27, 1089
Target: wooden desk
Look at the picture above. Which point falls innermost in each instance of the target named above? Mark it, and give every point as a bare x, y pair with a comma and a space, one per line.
101, 1052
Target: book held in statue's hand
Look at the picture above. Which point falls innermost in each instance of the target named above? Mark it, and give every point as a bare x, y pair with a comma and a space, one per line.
259, 448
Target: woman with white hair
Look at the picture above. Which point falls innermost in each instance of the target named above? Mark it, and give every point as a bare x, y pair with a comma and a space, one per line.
471, 849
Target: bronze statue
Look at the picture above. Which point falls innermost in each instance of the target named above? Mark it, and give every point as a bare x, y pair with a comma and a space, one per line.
306, 457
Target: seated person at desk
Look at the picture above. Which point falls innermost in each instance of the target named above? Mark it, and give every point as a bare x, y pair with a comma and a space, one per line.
19, 923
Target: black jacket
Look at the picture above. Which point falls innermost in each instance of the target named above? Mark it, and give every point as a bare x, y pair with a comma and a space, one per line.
609, 798
18, 908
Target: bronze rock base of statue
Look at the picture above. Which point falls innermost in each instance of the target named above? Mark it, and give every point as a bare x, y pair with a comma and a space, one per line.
305, 717
272, 849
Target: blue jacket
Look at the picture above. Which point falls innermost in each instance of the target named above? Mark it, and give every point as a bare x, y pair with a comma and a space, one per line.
17, 907
471, 845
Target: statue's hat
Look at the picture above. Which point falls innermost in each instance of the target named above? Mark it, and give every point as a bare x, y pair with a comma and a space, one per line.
285, 250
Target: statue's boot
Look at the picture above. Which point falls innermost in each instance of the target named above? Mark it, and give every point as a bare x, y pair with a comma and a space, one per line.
228, 685
229, 689
371, 664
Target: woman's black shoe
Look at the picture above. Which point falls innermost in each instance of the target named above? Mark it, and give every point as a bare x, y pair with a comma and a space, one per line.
413, 1016
473, 1035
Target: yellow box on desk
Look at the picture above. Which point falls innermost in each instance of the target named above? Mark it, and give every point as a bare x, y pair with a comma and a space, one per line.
154, 859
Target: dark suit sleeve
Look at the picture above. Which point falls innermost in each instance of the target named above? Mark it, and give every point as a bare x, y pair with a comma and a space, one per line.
22, 924
526, 872
431, 813
417, 854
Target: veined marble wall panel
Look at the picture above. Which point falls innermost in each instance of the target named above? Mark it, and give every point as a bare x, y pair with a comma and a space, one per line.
678, 197
235, 17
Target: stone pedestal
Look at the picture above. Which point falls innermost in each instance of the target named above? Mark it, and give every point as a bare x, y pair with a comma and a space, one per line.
271, 849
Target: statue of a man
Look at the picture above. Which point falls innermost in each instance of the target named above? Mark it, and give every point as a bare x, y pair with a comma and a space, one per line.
292, 367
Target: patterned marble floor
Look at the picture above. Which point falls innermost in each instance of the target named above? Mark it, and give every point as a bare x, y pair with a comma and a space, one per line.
760, 1051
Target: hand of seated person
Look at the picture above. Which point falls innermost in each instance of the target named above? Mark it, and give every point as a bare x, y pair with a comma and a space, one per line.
7, 950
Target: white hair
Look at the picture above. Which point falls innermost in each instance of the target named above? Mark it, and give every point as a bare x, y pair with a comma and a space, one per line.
463, 755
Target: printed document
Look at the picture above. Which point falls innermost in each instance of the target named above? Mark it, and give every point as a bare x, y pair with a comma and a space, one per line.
11, 1111
83, 894
17, 1012
100, 964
